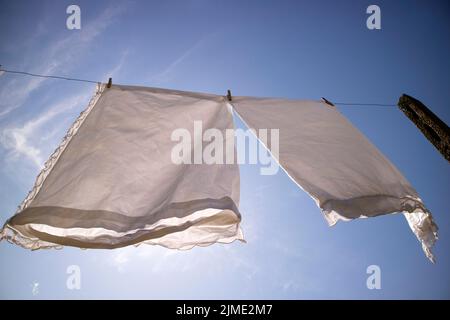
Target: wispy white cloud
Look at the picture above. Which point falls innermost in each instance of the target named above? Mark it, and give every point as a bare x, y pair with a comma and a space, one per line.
120, 259
167, 74
14, 93
60, 57
158, 257
23, 140
116, 70
35, 288
28, 139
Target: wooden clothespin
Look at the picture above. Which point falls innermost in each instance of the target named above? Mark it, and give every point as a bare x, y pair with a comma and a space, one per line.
328, 102
109, 83
229, 95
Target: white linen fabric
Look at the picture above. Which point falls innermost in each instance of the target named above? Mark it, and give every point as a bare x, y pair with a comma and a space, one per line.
336, 165
112, 182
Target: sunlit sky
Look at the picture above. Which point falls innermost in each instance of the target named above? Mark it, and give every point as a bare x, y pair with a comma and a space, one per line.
292, 49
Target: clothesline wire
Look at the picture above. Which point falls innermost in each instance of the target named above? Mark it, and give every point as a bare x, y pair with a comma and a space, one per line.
47, 76
92, 81
364, 104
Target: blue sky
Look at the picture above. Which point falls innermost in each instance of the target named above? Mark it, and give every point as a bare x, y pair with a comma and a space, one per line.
292, 49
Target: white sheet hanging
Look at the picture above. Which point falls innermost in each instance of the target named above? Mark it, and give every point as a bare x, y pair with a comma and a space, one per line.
336, 165
112, 182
